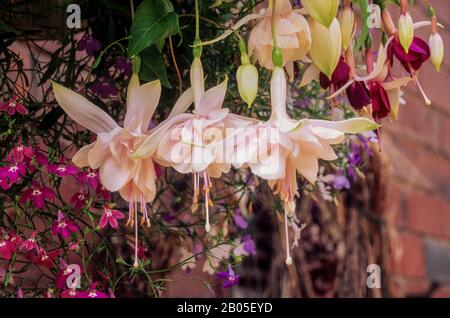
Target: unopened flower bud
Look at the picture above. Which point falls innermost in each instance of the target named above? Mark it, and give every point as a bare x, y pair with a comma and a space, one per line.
323, 11
405, 30
247, 80
436, 49
347, 22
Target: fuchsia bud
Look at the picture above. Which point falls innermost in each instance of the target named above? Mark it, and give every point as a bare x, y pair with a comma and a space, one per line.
405, 30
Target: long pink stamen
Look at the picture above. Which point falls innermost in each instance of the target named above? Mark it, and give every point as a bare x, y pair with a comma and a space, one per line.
286, 228
206, 183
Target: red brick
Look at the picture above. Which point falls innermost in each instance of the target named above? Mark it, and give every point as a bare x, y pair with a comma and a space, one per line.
445, 135
412, 261
443, 292
426, 214
436, 169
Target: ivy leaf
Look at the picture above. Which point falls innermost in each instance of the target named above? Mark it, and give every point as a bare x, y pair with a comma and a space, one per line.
363, 6
154, 21
152, 66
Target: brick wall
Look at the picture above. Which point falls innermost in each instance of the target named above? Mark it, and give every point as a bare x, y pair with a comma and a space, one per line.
419, 193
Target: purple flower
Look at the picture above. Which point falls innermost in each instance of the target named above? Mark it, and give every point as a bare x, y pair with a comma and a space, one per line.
63, 226
20, 153
228, 277
358, 95
240, 221
4, 183
341, 182
37, 194
124, 66
249, 245
89, 44
104, 88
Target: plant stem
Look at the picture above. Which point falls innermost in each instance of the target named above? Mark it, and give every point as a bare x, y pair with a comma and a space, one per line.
274, 27
197, 21
132, 9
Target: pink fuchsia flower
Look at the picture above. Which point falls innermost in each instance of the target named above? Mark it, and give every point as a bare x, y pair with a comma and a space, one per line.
30, 244
89, 44
12, 106
79, 199
63, 226
89, 177
61, 169
228, 277
6, 249
110, 217
13, 172
37, 194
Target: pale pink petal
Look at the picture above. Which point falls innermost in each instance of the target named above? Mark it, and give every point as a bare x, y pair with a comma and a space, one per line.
141, 104
80, 159
114, 175
83, 111
213, 99
182, 104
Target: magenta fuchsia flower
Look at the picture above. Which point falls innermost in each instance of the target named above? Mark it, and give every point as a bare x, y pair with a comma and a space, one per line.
89, 44
110, 217
30, 244
6, 249
79, 199
228, 277
12, 106
13, 172
89, 177
63, 226
62, 170
37, 194
419, 53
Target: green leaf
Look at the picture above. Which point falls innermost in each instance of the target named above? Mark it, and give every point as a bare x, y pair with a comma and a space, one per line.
154, 21
363, 5
152, 66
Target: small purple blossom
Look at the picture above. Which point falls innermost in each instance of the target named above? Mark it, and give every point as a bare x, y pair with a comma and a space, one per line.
13, 172
240, 221
249, 245
123, 65
62, 170
228, 277
89, 44
104, 88
37, 194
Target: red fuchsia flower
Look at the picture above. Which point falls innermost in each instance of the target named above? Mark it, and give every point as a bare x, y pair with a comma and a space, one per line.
37, 194
12, 106
228, 277
92, 292
358, 95
62, 170
13, 172
79, 199
6, 249
20, 153
89, 177
89, 44
381, 106
63, 226
110, 217
30, 244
